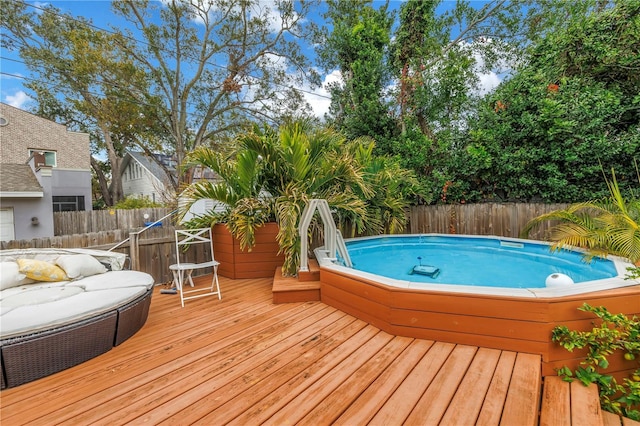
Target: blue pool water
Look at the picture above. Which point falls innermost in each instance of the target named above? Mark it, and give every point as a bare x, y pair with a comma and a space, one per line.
475, 261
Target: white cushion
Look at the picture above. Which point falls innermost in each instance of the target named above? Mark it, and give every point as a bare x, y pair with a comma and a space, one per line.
34, 318
38, 296
80, 265
114, 261
10, 276
36, 285
115, 279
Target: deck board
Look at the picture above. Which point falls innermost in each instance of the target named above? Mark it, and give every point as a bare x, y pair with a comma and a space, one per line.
362, 409
401, 403
465, 406
491, 410
556, 400
585, 407
244, 360
339, 400
437, 398
525, 385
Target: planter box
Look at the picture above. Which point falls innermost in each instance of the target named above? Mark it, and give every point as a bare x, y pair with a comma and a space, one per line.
260, 262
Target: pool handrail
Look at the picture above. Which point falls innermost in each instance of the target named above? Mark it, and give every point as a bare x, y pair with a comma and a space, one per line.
332, 237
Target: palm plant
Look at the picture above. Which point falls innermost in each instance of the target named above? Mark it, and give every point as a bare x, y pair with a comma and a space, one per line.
608, 226
301, 162
275, 172
394, 188
239, 190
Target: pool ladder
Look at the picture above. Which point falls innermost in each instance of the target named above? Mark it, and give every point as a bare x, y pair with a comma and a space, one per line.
333, 241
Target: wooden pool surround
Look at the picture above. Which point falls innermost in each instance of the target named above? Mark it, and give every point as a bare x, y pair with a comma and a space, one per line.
501, 322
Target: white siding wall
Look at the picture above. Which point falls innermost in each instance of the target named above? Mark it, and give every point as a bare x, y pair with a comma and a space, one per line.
138, 181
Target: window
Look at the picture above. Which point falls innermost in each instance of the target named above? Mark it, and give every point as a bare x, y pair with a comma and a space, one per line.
68, 203
7, 232
44, 158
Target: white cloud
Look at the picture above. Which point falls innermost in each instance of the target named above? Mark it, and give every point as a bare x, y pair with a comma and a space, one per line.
320, 99
18, 100
266, 9
487, 82
487, 79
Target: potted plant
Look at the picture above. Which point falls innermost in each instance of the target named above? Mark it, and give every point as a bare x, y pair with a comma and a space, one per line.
242, 210
273, 173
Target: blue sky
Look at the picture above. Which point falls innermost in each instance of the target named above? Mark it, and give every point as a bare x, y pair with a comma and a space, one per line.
12, 91
13, 72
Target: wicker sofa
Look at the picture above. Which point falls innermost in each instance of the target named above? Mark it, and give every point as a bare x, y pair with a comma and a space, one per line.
61, 307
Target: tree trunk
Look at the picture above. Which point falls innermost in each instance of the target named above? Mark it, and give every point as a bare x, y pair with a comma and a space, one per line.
102, 181
115, 161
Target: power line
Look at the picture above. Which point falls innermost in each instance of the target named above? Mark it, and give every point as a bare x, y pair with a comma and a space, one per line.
91, 25
60, 87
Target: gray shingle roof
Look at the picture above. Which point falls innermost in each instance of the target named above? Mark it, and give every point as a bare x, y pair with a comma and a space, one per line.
148, 163
151, 165
18, 178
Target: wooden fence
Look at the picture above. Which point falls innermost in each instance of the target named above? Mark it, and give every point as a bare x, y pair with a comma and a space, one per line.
156, 249
66, 223
501, 219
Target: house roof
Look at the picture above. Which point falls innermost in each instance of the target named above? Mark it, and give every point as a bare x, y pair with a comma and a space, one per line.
18, 180
145, 161
153, 167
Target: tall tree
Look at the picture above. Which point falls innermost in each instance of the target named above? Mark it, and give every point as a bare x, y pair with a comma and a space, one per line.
356, 46
572, 110
218, 63
439, 52
436, 55
79, 77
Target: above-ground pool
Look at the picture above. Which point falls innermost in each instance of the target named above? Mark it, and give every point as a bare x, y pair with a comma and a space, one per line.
489, 291
477, 264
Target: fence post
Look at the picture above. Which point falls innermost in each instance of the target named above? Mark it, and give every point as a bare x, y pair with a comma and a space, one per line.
134, 250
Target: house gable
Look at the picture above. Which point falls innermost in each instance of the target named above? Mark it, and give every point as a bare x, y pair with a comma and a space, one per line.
25, 132
43, 168
142, 176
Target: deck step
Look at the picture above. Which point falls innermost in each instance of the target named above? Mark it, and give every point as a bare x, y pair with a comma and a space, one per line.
293, 289
570, 403
313, 274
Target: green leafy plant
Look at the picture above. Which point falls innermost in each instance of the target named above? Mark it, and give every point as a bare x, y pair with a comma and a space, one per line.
616, 332
610, 226
273, 173
134, 202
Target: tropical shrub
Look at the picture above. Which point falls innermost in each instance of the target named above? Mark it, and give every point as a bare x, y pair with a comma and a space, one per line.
604, 227
615, 333
571, 109
273, 173
134, 202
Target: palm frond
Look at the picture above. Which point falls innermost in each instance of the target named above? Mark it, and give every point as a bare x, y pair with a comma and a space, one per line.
607, 226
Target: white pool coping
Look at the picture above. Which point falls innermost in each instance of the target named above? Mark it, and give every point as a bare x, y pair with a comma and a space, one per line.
619, 281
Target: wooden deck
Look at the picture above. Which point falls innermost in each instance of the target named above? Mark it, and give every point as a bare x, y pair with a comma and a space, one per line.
518, 324
244, 360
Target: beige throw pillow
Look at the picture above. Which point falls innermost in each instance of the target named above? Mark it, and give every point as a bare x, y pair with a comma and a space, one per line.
80, 265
